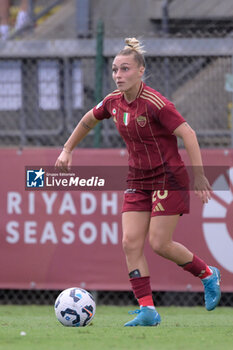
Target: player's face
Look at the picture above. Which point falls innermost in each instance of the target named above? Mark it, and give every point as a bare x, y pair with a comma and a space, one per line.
126, 72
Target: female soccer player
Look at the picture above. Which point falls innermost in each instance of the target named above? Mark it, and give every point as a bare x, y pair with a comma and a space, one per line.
157, 181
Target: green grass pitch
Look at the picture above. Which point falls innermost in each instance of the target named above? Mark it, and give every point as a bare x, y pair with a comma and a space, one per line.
182, 328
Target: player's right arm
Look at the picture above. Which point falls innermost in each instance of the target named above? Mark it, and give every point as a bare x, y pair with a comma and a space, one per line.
87, 123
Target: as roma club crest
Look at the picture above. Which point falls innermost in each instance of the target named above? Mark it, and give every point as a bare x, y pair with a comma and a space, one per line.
141, 120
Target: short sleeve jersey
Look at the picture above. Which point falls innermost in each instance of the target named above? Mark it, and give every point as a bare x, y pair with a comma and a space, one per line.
147, 126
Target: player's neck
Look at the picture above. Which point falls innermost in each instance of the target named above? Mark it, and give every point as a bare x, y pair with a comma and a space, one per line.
132, 93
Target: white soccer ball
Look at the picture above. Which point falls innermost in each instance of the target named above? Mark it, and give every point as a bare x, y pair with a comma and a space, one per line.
75, 307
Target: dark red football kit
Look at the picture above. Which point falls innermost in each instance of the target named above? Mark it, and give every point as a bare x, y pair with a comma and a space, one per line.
147, 126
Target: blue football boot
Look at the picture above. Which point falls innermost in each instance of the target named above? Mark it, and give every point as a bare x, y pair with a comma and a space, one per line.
146, 317
212, 289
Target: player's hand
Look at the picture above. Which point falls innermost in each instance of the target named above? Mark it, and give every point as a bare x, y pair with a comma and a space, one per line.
202, 188
64, 161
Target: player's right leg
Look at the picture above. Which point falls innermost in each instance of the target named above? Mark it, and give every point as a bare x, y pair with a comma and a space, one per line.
135, 229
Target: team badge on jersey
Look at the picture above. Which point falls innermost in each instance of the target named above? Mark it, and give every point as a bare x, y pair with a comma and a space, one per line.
114, 112
141, 120
126, 117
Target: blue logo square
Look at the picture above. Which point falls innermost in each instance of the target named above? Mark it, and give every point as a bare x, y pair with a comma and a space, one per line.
35, 178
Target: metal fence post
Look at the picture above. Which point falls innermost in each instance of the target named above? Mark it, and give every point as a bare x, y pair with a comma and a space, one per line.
165, 29
82, 18
31, 10
99, 76
232, 108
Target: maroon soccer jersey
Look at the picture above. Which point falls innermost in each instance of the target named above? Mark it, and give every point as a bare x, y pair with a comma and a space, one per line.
147, 126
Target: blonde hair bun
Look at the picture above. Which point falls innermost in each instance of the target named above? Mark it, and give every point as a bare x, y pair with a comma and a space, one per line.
134, 44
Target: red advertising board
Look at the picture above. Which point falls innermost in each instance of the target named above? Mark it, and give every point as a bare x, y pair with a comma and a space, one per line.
57, 239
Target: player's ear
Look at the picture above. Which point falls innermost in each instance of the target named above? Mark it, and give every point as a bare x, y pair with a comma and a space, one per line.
142, 70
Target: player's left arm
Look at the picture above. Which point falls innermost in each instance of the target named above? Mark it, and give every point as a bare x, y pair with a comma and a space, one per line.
201, 184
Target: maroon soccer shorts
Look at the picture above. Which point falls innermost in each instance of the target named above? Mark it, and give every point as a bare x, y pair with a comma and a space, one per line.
157, 202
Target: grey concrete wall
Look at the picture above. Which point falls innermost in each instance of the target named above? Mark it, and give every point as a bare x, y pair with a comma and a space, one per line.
123, 17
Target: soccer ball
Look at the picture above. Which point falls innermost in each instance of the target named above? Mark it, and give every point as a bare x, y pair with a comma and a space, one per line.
75, 307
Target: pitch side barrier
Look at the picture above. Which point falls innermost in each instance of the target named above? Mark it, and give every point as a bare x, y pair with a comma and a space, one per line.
52, 239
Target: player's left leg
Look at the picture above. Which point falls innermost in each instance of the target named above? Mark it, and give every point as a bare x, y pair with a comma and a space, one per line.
160, 238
